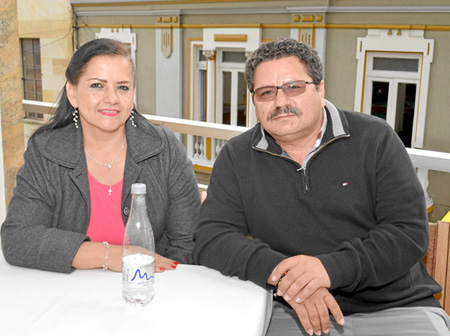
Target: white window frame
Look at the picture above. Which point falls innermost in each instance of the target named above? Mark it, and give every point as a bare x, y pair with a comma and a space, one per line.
204, 150
396, 41
214, 41
393, 78
196, 88
234, 68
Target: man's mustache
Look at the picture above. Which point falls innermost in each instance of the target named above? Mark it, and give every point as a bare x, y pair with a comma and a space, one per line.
284, 110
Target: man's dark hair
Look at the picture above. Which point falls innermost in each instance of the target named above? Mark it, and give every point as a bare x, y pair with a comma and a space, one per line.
284, 48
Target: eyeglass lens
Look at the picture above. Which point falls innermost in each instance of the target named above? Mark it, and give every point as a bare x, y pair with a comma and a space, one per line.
290, 89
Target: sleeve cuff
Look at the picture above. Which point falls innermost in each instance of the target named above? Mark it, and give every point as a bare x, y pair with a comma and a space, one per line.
341, 269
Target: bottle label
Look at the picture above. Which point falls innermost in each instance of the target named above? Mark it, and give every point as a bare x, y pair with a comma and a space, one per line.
138, 270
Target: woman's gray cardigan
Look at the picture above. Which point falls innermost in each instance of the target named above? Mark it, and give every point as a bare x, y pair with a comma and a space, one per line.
49, 212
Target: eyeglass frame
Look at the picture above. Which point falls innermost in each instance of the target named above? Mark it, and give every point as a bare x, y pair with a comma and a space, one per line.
281, 87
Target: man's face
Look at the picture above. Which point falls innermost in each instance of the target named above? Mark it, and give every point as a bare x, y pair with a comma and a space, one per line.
276, 116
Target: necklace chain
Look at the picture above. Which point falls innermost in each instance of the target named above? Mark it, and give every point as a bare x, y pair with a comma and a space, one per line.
108, 165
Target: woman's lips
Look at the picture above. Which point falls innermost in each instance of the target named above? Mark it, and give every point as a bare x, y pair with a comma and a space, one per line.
109, 113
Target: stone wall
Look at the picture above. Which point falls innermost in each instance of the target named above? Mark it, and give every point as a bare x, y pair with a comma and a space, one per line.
10, 96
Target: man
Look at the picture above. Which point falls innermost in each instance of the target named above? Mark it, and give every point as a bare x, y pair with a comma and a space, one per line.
321, 205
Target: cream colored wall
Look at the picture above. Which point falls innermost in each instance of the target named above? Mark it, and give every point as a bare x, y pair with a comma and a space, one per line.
437, 128
341, 66
51, 22
146, 74
438, 107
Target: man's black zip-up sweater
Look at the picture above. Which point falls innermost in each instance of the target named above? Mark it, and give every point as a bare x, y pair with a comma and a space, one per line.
356, 204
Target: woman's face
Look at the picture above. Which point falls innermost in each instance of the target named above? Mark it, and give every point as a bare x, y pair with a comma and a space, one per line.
104, 93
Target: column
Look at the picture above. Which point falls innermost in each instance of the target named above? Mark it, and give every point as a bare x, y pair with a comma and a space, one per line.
169, 75
210, 85
12, 133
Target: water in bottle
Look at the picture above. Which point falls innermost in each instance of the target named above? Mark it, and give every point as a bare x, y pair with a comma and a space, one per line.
138, 251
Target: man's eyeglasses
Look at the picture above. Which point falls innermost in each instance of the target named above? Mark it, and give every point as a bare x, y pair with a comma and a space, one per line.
290, 89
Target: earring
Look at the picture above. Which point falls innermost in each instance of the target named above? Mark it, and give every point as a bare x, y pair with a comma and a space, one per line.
132, 118
75, 116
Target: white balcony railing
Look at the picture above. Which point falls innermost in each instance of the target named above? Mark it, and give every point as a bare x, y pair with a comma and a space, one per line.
204, 141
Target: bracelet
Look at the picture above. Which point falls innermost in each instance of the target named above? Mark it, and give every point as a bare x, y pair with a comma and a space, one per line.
105, 265
275, 295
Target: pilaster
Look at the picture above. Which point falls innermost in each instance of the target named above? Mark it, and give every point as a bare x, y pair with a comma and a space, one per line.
11, 115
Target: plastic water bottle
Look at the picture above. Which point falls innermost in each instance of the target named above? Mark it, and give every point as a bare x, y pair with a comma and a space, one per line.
138, 263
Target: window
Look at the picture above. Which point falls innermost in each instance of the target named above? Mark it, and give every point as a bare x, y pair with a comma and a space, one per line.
230, 87
198, 87
392, 81
217, 88
31, 73
232, 99
393, 72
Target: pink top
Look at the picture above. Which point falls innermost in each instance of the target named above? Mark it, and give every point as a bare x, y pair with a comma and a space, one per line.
106, 222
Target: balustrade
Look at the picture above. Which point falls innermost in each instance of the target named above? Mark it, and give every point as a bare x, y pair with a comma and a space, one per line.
205, 140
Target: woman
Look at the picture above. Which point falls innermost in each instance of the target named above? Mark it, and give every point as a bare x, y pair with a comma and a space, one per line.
73, 192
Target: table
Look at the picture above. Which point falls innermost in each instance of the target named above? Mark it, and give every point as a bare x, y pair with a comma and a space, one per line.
192, 300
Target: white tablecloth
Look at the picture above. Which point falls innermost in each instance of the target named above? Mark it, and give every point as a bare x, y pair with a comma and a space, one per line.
192, 300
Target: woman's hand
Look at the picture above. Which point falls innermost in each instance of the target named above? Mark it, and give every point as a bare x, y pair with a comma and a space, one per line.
92, 255
164, 264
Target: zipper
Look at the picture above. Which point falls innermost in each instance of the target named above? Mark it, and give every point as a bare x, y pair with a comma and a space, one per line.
306, 187
304, 179
299, 167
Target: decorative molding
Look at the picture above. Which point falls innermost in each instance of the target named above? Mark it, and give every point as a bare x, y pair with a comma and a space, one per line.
307, 18
225, 11
270, 10
370, 9
166, 42
212, 11
100, 3
129, 13
209, 54
230, 37
311, 9
269, 26
306, 35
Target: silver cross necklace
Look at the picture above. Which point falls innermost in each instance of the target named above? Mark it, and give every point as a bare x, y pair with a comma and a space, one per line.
108, 165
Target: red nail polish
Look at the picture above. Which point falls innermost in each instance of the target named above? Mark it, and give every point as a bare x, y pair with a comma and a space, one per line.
175, 263
162, 269
173, 266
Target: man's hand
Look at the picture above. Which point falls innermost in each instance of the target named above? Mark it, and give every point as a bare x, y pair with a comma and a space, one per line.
304, 276
313, 312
